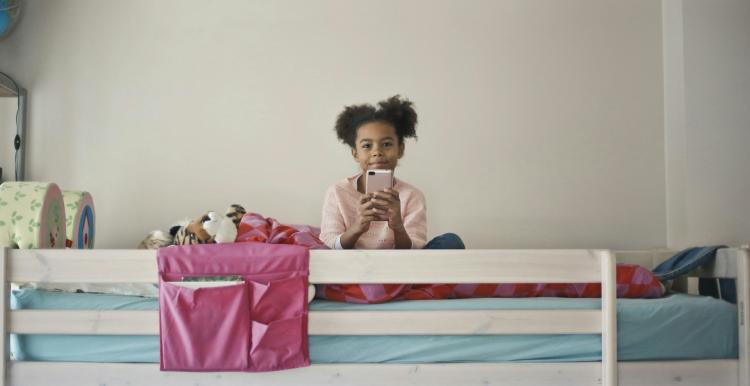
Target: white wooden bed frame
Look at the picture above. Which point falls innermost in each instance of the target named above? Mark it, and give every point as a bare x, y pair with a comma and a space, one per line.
358, 266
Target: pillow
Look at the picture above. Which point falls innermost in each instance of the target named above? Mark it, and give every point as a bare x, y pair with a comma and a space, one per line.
133, 289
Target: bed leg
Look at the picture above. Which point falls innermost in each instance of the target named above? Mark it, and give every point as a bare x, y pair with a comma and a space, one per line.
609, 319
743, 312
4, 339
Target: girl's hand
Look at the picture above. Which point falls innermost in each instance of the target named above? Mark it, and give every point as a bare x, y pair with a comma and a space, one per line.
388, 206
366, 212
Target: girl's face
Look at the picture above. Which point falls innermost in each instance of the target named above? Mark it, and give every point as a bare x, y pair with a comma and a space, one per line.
377, 146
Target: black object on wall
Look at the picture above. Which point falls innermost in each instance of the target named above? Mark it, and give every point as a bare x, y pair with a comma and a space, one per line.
10, 89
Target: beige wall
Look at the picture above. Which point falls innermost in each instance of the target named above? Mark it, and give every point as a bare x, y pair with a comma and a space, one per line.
541, 122
708, 125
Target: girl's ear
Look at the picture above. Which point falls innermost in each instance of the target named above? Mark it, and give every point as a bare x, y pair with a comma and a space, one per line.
401, 148
354, 153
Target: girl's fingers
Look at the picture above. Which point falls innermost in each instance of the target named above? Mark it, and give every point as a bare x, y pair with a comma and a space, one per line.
389, 196
364, 198
392, 192
379, 207
374, 215
379, 217
380, 202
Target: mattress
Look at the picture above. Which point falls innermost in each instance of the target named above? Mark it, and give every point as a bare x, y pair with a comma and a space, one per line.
677, 327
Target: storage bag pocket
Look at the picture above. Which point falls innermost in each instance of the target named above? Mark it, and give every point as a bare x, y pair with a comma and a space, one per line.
204, 329
278, 345
277, 299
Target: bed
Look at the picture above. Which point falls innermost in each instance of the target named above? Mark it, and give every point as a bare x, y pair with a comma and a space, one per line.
539, 341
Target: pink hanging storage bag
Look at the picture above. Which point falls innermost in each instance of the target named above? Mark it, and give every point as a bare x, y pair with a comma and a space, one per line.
257, 321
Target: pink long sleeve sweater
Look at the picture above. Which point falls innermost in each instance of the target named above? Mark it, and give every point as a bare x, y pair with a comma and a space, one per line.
340, 212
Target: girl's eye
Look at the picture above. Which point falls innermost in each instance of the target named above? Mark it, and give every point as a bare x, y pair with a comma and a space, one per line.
366, 146
387, 144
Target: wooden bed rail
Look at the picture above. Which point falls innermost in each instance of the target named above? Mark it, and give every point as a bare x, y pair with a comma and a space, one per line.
490, 266
453, 266
434, 322
328, 266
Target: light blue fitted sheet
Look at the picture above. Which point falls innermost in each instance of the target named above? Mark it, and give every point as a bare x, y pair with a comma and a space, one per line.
672, 328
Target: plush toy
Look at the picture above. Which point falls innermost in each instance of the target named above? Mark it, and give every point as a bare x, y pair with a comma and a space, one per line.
207, 229
221, 228
156, 239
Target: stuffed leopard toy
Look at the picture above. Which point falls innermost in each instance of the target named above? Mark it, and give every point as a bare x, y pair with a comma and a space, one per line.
209, 228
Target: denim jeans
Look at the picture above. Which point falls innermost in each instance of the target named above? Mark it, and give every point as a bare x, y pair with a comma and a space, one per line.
446, 241
689, 259
685, 261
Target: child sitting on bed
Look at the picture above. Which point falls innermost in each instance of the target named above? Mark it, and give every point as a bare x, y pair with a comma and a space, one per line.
395, 218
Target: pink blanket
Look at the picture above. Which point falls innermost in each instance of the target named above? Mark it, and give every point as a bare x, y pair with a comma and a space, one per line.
254, 227
633, 281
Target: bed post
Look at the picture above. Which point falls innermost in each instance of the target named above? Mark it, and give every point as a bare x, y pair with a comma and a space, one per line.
609, 318
743, 312
4, 293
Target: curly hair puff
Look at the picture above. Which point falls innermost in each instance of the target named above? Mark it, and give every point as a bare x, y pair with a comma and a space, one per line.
395, 111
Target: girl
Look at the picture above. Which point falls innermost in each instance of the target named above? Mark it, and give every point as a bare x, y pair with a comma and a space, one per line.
393, 218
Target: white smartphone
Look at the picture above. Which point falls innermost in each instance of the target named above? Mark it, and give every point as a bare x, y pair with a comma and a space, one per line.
378, 179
